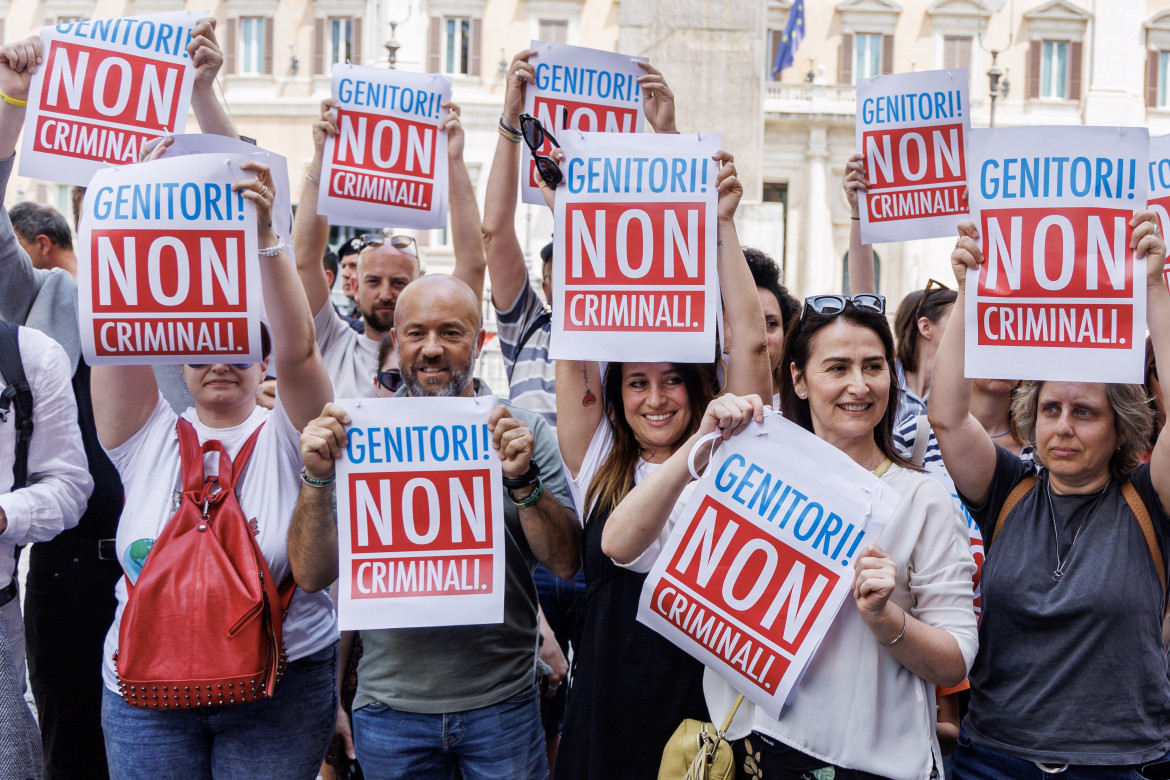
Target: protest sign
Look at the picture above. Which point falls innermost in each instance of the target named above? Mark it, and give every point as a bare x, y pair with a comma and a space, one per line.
580, 89
387, 165
634, 257
761, 560
204, 143
912, 127
106, 87
1060, 294
167, 269
420, 523
1159, 199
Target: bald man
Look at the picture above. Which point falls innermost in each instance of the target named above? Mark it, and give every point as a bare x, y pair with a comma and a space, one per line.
385, 266
433, 699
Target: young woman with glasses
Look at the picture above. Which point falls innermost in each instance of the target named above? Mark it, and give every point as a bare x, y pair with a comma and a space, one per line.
865, 706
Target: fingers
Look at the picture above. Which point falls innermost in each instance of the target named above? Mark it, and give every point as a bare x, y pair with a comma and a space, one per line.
155, 148
650, 69
1146, 234
730, 413
514, 441
323, 439
967, 252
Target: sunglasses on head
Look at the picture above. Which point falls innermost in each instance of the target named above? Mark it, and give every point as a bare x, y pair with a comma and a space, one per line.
534, 136
241, 366
399, 241
931, 286
389, 380
831, 305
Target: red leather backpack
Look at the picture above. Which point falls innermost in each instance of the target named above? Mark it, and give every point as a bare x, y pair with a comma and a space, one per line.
202, 625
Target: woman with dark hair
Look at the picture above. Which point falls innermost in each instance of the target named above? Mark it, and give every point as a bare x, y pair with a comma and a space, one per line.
1071, 675
631, 688
865, 705
779, 308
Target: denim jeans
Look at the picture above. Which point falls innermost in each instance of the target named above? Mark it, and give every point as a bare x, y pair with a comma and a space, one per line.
975, 762
500, 742
282, 738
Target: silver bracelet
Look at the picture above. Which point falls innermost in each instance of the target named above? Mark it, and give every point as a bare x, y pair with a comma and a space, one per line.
310, 178
901, 633
314, 482
274, 250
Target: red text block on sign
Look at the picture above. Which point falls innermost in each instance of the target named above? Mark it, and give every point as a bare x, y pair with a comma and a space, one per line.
88, 141
421, 511
642, 244
181, 271
109, 86
401, 577
384, 144
387, 190
1010, 324
635, 311
751, 576
1073, 253
588, 117
914, 157
225, 337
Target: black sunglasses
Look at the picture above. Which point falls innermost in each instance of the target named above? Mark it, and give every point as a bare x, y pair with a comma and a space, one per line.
390, 380
241, 366
399, 241
535, 136
832, 305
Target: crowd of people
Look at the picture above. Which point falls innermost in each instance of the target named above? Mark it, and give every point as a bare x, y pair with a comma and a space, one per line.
1008, 625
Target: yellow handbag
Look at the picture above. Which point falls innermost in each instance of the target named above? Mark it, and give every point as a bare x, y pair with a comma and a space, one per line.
696, 751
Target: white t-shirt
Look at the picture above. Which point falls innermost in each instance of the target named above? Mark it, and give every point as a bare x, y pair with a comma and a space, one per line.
148, 463
351, 358
856, 706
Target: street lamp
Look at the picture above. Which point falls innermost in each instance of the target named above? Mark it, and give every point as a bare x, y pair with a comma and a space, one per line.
997, 84
392, 45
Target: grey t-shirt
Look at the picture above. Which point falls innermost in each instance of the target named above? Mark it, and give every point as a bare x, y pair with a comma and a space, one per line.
1071, 671
451, 669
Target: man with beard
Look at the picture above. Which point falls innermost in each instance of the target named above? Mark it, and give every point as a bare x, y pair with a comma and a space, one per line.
385, 265
433, 699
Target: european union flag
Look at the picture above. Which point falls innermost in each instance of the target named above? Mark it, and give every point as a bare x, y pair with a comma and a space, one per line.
793, 35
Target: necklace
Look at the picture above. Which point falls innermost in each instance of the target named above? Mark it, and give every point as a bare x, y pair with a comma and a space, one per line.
1058, 572
997, 435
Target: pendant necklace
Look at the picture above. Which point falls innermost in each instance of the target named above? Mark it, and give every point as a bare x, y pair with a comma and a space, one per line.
1058, 572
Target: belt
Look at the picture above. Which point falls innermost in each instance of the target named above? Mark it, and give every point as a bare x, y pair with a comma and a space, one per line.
81, 546
8, 593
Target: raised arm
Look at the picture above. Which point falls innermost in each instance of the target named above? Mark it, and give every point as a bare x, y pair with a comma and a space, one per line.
304, 384
312, 535
579, 409
1147, 243
466, 230
207, 58
748, 370
658, 100
861, 276
637, 521
968, 452
505, 257
310, 229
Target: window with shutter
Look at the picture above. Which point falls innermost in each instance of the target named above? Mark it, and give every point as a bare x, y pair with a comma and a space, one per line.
229, 46
355, 42
341, 40
553, 30
1162, 76
434, 44
1075, 69
459, 52
887, 54
775, 37
1154, 86
867, 55
267, 25
319, 47
845, 75
957, 51
1034, 55
1055, 71
252, 45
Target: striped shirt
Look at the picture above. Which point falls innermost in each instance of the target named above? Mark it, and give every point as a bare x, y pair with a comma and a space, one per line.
531, 374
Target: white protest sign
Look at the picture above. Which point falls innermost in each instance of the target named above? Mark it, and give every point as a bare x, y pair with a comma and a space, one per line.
581, 89
167, 266
106, 87
205, 143
1060, 294
387, 165
1159, 199
635, 274
761, 560
420, 515
911, 127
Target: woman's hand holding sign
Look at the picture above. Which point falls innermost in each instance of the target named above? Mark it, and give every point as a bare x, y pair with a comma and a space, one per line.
873, 584
658, 104
729, 187
1147, 241
967, 252
260, 191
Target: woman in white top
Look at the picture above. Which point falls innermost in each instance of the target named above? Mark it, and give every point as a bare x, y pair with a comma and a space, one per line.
284, 736
865, 707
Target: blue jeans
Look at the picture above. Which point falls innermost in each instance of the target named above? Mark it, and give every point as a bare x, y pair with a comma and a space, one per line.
975, 762
282, 738
499, 742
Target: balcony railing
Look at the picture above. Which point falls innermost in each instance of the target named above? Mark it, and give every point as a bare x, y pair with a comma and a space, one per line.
807, 99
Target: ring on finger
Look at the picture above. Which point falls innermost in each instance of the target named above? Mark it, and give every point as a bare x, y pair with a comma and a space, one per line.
263, 189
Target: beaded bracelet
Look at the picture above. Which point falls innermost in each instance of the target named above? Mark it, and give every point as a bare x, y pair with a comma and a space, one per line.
314, 482
513, 138
274, 250
532, 498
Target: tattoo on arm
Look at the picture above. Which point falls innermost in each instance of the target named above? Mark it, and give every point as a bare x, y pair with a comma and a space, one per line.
719, 242
589, 398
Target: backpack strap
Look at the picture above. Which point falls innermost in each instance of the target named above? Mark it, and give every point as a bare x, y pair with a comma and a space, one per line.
1138, 507
17, 391
921, 440
1022, 488
544, 319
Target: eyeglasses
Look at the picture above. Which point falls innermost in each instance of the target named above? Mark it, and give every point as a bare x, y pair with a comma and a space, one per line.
399, 241
389, 380
931, 286
535, 135
832, 305
241, 366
